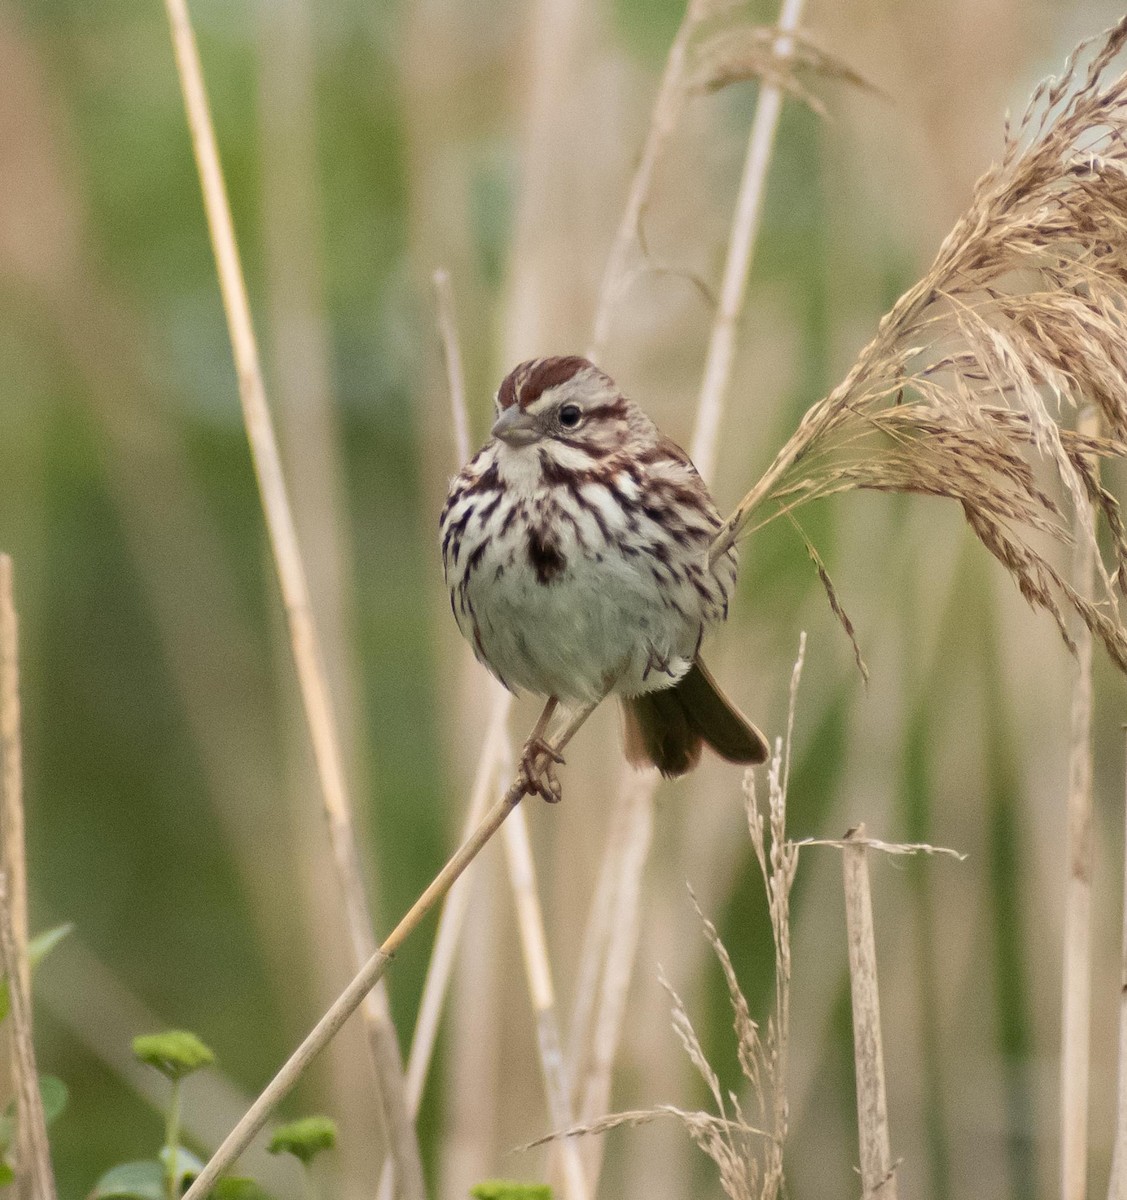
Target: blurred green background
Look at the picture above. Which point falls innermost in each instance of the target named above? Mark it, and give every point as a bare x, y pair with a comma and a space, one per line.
172, 814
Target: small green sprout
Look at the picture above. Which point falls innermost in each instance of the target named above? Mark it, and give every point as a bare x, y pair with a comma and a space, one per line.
508, 1189
304, 1139
174, 1054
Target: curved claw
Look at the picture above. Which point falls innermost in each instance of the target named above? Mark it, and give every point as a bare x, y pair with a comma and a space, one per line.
538, 767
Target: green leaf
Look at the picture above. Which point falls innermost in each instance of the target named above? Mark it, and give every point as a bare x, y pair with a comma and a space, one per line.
53, 1092
304, 1139
43, 943
238, 1189
55, 1096
132, 1181
508, 1189
174, 1053
37, 950
7, 1175
188, 1166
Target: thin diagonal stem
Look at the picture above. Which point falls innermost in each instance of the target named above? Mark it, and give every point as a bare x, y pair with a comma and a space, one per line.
666, 110
741, 245
450, 923
308, 657
373, 970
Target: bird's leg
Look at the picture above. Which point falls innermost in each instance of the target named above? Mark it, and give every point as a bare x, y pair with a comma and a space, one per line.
538, 759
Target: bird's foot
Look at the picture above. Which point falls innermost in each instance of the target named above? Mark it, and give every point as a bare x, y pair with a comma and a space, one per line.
538, 769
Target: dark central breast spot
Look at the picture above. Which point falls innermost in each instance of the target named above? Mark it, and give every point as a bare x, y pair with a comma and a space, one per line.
544, 556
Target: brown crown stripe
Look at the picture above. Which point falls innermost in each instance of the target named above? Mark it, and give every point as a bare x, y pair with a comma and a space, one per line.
527, 382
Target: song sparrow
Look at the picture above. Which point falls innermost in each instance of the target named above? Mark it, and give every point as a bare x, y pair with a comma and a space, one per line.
575, 546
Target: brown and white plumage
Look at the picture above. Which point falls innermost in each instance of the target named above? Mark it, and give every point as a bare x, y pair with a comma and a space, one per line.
575, 546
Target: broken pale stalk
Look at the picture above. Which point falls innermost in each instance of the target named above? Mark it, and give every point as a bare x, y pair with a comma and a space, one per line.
307, 653
878, 1177
373, 970
1077, 971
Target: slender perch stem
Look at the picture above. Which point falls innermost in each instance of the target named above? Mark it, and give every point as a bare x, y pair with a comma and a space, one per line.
450, 923
373, 970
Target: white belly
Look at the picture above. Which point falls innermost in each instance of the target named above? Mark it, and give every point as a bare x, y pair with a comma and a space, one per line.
576, 615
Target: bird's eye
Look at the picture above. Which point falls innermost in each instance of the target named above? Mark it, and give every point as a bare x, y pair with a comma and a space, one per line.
570, 416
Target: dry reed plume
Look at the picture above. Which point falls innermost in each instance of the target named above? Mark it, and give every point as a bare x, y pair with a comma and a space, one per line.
1020, 321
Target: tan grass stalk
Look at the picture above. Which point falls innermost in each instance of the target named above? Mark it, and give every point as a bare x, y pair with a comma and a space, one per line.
1117, 1186
538, 970
493, 753
598, 927
737, 264
1076, 1000
291, 573
11, 766
1021, 318
350, 999
627, 857
619, 954
298, 359
34, 1177
663, 120
878, 1172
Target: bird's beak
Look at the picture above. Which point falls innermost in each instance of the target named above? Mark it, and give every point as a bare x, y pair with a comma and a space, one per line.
516, 427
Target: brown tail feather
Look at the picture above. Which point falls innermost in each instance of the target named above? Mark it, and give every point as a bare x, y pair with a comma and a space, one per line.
666, 728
